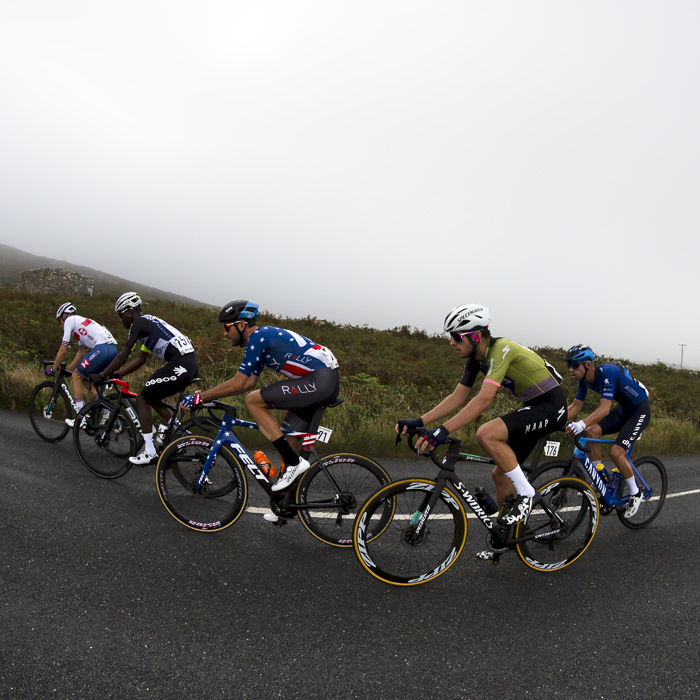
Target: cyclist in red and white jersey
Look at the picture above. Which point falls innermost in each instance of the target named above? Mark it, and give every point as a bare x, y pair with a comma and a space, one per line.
96, 349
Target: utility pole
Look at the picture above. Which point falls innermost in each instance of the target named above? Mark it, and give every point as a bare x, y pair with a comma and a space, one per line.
682, 346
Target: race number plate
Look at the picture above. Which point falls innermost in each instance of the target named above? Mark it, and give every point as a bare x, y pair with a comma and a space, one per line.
324, 434
551, 449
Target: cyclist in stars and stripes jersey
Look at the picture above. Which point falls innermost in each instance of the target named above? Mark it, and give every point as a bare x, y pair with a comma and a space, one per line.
310, 374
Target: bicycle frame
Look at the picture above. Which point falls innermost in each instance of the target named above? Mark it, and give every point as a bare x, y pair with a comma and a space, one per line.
227, 437
608, 492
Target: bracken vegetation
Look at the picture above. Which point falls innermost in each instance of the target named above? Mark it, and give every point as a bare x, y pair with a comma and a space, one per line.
385, 374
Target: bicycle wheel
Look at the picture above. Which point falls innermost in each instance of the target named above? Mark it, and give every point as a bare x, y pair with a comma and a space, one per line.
48, 417
653, 472
559, 528
105, 453
334, 490
222, 498
392, 555
555, 469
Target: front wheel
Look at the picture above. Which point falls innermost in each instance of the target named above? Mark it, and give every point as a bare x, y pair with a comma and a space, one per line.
333, 491
48, 413
394, 553
560, 526
219, 502
555, 469
654, 489
105, 450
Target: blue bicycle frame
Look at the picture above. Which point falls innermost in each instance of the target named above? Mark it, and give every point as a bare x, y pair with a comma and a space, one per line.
227, 437
608, 492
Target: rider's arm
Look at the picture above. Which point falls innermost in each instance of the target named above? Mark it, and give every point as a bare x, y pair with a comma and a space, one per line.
449, 404
123, 354
475, 407
60, 357
78, 356
137, 362
238, 384
574, 408
599, 413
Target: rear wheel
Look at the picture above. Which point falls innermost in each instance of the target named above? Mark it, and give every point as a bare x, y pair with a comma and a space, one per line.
653, 472
554, 469
334, 490
105, 451
560, 527
220, 500
394, 553
48, 415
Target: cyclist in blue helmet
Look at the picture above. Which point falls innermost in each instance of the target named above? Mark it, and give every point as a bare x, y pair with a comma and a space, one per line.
628, 417
310, 379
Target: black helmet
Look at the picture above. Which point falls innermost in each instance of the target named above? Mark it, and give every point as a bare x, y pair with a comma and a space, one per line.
239, 310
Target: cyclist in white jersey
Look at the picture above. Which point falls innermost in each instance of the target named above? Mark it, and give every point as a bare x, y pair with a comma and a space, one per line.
96, 349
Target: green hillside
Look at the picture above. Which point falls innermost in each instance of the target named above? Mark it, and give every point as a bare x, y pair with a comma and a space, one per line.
385, 374
13, 262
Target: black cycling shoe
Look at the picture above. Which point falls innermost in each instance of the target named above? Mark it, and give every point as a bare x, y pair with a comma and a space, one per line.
515, 509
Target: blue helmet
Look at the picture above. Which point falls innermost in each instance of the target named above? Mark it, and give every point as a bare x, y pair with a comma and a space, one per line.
578, 354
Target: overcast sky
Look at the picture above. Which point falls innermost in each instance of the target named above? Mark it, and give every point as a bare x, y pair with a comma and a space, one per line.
370, 162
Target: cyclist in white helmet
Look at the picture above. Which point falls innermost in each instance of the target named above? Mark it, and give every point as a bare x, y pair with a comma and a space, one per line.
168, 344
96, 349
508, 439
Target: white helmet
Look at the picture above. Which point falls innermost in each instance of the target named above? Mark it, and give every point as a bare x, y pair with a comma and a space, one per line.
470, 317
130, 300
66, 308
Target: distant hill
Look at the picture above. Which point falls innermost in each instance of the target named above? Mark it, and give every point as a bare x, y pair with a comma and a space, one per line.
13, 262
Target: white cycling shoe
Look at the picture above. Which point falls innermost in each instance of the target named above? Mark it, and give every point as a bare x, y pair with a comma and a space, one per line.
633, 505
291, 473
143, 458
70, 422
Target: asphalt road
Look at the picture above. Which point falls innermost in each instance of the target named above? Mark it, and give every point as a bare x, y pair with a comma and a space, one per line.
104, 595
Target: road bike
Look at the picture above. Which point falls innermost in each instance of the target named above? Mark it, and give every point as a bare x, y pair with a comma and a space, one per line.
202, 481
610, 487
428, 526
107, 431
50, 403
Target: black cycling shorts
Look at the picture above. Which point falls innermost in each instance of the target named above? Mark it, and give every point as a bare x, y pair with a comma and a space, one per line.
628, 422
171, 378
301, 396
534, 420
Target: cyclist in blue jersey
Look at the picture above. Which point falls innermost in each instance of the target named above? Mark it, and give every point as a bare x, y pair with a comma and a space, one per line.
310, 373
168, 344
628, 417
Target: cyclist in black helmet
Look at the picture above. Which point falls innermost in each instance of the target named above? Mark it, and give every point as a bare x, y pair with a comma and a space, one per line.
165, 342
310, 374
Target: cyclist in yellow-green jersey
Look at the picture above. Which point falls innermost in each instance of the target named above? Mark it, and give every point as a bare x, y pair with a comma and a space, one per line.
510, 438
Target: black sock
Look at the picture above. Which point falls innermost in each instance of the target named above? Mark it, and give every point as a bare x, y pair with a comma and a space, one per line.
288, 455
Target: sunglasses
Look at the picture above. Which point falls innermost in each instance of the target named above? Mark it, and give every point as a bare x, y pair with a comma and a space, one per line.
459, 337
572, 365
227, 326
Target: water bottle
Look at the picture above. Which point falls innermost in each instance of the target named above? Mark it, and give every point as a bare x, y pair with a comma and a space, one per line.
267, 468
602, 472
485, 501
615, 480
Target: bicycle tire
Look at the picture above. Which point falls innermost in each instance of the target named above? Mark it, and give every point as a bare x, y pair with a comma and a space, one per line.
221, 500
357, 477
654, 473
105, 454
555, 545
49, 422
390, 556
555, 469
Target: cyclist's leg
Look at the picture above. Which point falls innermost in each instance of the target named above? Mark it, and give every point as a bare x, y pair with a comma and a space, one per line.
170, 379
297, 394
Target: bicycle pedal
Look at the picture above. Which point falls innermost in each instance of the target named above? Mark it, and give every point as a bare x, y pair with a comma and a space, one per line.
281, 522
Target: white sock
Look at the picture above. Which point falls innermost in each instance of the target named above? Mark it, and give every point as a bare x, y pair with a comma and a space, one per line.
148, 443
79, 403
522, 485
632, 485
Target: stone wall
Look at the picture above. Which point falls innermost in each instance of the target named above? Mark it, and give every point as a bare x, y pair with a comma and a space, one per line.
51, 279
